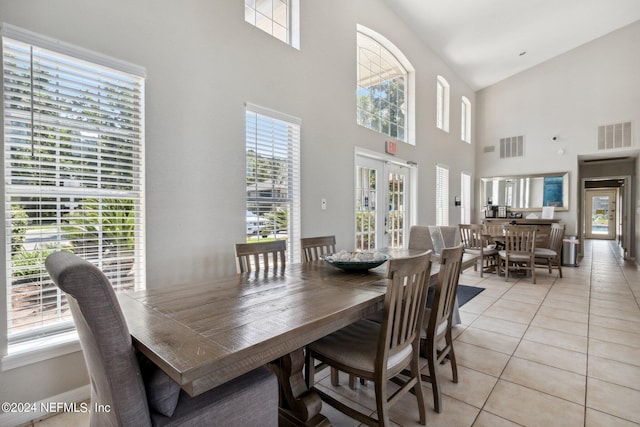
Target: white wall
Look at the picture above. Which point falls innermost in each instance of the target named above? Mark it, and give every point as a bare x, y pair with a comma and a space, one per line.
568, 97
203, 63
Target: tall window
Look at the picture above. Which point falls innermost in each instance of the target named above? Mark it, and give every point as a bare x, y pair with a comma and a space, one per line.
74, 174
465, 120
442, 195
465, 198
384, 88
442, 104
280, 18
273, 177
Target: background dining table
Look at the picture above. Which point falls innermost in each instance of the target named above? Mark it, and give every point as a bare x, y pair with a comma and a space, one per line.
205, 334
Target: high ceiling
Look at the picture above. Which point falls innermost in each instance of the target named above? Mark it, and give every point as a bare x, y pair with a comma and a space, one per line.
484, 40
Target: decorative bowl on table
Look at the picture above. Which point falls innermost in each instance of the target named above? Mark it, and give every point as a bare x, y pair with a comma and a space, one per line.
355, 261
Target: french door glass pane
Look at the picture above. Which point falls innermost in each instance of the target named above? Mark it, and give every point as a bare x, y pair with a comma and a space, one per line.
600, 215
366, 196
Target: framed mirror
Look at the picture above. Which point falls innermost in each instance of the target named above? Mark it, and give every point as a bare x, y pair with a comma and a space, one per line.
527, 192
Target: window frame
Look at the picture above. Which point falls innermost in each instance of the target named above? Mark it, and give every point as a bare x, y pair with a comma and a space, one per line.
292, 20
77, 138
409, 76
258, 137
442, 103
465, 120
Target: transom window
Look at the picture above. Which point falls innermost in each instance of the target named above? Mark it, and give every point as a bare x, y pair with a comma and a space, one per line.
465, 120
384, 87
280, 18
442, 104
74, 174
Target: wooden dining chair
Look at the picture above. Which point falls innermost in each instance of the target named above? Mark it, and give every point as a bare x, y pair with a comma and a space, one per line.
313, 247
437, 339
473, 238
261, 256
519, 250
379, 352
551, 255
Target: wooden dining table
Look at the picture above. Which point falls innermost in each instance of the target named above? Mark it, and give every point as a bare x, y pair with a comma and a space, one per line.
205, 334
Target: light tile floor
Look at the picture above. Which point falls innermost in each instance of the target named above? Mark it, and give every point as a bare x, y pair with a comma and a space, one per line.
562, 352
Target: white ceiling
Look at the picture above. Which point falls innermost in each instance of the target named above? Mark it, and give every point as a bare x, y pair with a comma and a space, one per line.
482, 39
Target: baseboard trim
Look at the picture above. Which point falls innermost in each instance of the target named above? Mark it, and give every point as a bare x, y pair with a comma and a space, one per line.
38, 410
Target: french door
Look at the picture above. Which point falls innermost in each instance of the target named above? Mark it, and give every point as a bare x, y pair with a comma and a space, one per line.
600, 214
381, 203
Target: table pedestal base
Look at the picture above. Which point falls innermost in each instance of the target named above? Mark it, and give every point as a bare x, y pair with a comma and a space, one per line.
299, 406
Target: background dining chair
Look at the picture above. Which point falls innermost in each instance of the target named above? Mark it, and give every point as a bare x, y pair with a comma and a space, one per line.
475, 242
378, 352
519, 250
438, 321
135, 390
261, 256
551, 255
313, 247
420, 238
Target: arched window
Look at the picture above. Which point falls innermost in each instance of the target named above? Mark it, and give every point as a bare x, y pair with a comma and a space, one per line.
385, 85
442, 106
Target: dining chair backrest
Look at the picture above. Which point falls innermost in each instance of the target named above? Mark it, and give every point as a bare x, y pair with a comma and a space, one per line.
444, 298
420, 238
116, 381
313, 247
520, 239
491, 229
261, 256
404, 305
471, 236
556, 235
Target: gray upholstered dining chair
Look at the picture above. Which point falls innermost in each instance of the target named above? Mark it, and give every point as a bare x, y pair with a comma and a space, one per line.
551, 255
135, 390
379, 352
437, 339
261, 256
471, 236
313, 247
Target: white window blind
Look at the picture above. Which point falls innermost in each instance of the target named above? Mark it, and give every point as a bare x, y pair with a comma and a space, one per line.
442, 195
273, 177
73, 145
465, 196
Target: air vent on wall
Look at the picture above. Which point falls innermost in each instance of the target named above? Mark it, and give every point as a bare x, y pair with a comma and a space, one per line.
489, 149
512, 146
613, 136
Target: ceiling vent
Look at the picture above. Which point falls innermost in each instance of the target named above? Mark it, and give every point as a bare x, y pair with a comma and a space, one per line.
614, 136
512, 146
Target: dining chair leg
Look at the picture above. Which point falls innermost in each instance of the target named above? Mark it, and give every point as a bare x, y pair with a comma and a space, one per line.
381, 403
452, 358
415, 371
533, 271
335, 380
432, 363
559, 262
